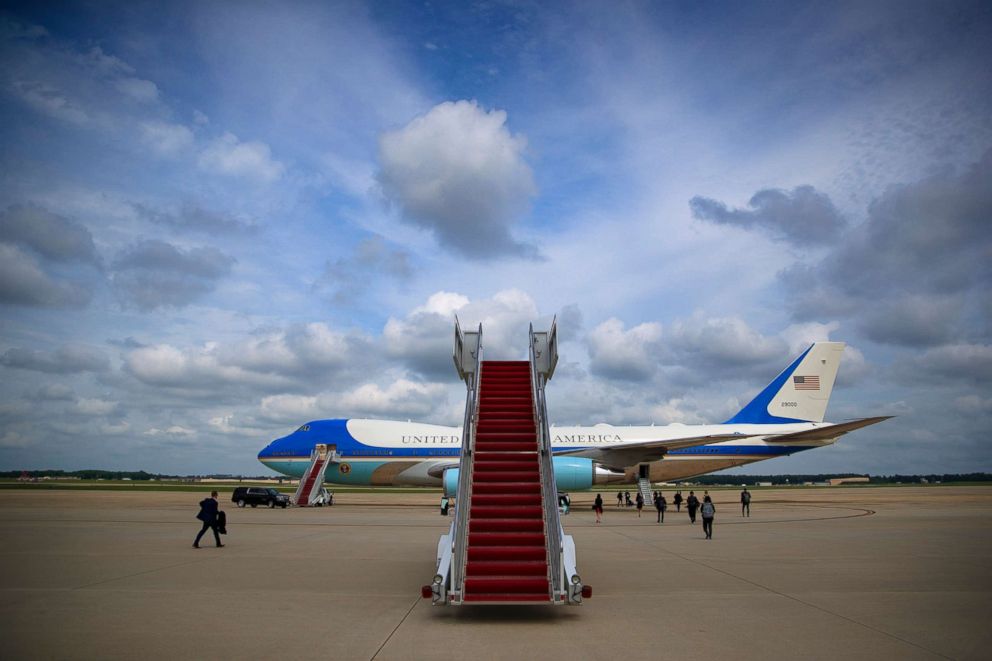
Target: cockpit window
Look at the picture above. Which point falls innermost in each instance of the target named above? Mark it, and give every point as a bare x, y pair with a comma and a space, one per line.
304, 428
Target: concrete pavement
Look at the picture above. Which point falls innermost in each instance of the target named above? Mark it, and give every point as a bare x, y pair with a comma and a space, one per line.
813, 573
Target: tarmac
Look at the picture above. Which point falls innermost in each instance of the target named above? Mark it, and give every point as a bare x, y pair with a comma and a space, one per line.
853, 573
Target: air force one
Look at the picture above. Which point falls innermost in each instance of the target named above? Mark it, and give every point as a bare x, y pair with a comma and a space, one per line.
786, 417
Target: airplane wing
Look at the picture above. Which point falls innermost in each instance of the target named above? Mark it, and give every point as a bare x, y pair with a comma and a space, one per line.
623, 455
437, 470
826, 432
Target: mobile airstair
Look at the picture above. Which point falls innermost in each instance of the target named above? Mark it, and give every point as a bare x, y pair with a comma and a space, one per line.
308, 493
506, 543
644, 487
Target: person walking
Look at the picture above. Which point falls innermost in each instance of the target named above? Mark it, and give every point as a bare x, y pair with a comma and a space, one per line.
745, 502
640, 504
708, 510
661, 505
598, 508
208, 514
619, 499
677, 499
692, 504
626, 497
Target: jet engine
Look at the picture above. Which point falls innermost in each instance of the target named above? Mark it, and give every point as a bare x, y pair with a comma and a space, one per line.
571, 474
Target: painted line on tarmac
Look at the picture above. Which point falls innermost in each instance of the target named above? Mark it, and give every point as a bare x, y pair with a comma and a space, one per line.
398, 625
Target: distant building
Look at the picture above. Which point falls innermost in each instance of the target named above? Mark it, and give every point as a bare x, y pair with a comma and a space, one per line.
848, 480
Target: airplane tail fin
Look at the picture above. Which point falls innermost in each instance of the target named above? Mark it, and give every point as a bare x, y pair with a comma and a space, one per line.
800, 393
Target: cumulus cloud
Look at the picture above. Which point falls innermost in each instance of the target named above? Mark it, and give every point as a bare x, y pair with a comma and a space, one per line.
801, 217
50, 100
165, 138
289, 408
687, 353
68, 359
95, 407
722, 343
49, 235
138, 89
192, 217
399, 398
618, 353
964, 362
973, 404
300, 357
82, 88
458, 172
911, 273
13, 439
55, 392
800, 336
423, 338
227, 425
24, 282
35, 244
174, 431
301, 349
371, 260
154, 273
192, 369
115, 428
227, 155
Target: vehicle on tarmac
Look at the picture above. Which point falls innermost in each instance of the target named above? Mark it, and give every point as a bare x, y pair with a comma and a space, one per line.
256, 496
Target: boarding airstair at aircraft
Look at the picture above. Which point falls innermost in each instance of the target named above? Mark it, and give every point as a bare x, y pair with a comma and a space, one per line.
644, 487
506, 543
309, 490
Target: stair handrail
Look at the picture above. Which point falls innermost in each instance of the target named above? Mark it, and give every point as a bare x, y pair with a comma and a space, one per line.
542, 363
306, 476
468, 367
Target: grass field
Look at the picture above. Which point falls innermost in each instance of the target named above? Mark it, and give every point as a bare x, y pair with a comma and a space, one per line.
176, 485
198, 487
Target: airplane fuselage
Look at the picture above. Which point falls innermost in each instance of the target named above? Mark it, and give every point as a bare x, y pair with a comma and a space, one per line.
784, 418
384, 452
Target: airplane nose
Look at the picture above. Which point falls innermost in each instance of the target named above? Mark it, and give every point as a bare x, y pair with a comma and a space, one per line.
269, 450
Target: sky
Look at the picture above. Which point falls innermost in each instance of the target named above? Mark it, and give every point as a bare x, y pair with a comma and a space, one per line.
220, 220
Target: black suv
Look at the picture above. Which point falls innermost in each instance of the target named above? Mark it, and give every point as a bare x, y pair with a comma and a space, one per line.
256, 496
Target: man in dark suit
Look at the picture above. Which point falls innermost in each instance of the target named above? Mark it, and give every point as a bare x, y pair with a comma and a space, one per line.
208, 514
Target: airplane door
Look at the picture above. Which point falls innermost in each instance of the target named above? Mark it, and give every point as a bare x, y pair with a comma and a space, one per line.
643, 471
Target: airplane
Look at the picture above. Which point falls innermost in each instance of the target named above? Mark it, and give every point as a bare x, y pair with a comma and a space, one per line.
784, 418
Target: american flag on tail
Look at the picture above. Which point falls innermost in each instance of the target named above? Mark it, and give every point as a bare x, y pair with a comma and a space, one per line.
806, 382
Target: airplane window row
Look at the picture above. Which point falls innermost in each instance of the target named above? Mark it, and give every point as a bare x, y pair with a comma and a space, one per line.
304, 428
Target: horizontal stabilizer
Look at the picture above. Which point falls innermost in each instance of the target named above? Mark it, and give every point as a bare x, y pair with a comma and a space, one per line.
624, 455
826, 432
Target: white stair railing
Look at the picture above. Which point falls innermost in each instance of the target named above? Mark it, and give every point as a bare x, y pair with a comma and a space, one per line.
468, 360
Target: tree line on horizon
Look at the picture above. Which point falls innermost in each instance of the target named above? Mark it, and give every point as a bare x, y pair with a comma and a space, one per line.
783, 480
739, 480
97, 474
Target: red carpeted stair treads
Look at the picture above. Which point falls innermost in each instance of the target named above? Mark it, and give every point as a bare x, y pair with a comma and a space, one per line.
507, 558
